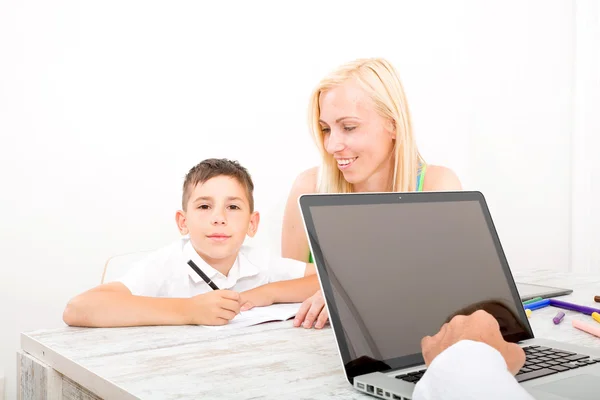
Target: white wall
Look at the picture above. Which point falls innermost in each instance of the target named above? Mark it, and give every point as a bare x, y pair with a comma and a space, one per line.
520, 126
585, 254
104, 107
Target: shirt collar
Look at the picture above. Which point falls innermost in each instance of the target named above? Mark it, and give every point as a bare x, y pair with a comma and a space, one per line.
189, 253
246, 267
242, 267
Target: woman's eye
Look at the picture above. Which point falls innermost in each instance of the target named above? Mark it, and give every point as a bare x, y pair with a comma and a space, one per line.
349, 128
325, 130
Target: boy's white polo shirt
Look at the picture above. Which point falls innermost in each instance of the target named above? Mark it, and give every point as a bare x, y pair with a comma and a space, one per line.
165, 272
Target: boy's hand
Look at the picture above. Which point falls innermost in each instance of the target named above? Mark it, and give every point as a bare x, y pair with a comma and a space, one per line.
217, 307
258, 297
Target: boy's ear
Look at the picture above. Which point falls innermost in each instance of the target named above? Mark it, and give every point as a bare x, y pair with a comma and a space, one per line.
253, 225
181, 222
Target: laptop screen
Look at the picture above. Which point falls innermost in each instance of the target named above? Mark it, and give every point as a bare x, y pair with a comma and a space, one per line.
395, 269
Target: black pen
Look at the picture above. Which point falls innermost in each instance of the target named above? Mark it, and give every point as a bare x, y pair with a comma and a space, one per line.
203, 275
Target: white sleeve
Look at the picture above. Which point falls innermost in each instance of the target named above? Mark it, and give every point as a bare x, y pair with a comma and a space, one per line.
469, 370
283, 269
146, 277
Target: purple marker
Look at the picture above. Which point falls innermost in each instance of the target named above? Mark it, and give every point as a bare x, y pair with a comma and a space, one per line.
573, 307
559, 317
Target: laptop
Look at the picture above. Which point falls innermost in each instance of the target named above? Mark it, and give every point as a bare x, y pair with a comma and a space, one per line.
394, 267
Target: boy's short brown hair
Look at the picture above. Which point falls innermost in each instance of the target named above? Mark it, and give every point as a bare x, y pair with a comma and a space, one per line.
211, 168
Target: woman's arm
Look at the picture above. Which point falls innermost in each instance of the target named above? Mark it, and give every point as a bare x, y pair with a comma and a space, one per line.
294, 243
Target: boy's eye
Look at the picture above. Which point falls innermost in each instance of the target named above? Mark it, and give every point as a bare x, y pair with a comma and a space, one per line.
234, 207
203, 207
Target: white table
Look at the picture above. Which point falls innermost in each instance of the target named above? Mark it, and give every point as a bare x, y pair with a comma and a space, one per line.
271, 360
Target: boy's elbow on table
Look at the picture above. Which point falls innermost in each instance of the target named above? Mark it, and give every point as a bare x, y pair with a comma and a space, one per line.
72, 315
81, 309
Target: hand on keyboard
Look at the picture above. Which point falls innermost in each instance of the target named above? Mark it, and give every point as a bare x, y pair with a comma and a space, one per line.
479, 326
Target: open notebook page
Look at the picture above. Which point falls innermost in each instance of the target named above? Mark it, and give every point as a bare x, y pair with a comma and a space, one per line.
257, 315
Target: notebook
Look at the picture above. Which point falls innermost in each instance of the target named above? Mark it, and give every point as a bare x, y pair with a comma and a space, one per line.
259, 315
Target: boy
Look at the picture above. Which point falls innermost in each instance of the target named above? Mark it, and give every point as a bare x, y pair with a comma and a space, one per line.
163, 289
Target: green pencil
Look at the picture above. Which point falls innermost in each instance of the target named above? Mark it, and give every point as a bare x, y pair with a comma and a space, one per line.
532, 301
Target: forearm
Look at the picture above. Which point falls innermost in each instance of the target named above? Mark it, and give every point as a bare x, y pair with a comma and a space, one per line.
114, 309
291, 291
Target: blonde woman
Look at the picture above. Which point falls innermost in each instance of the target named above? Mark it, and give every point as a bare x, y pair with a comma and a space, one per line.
360, 121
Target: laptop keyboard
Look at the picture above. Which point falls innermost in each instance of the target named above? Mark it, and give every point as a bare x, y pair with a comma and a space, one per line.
539, 361
412, 377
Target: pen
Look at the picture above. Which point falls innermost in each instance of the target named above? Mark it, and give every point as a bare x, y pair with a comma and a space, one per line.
203, 275
573, 307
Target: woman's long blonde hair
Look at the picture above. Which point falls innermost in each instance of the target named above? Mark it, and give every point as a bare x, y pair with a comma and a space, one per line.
381, 82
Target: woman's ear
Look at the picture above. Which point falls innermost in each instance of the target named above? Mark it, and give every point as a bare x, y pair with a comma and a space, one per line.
181, 222
391, 128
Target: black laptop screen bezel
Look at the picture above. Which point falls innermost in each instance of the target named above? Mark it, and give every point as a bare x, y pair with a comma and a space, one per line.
307, 201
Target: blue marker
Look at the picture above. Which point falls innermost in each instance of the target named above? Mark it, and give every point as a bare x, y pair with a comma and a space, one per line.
538, 304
